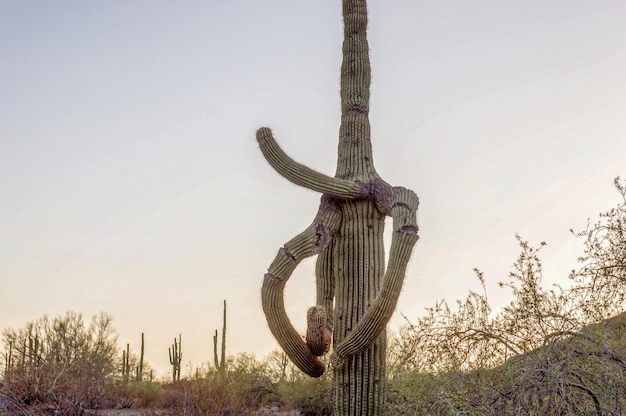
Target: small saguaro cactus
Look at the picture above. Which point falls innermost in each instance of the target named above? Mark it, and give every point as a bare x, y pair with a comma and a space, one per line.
220, 365
125, 364
8, 362
33, 351
356, 296
139, 369
176, 355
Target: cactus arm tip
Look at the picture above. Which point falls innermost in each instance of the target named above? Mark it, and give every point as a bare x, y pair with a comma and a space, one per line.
317, 334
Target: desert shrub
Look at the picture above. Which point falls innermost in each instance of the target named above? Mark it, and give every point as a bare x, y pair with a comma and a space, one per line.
243, 388
246, 386
133, 394
548, 352
582, 372
294, 389
208, 396
60, 363
601, 279
474, 336
311, 396
411, 392
575, 372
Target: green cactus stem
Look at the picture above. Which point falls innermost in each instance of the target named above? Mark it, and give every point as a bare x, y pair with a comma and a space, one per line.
356, 295
33, 346
139, 369
220, 365
125, 364
311, 241
34, 359
176, 355
8, 362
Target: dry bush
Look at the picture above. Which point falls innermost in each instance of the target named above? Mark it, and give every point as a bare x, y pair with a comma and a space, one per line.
134, 394
295, 390
247, 386
548, 352
204, 397
574, 372
60, 365
243, 388
602, 275
582, 372
473, 336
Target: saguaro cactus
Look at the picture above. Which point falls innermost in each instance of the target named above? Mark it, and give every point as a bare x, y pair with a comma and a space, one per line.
8, 362
139, 376
176, 355
125, 364
356, 296
220, 365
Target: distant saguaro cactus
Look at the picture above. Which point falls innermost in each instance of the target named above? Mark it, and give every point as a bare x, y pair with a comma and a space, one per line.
8, 361
176, 355
125, 364
220, 365
355, 295
139, 376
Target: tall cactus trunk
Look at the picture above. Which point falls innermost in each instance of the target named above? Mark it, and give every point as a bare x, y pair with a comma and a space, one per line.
220, 365
359, 256
356, 295
354, 161
360, 383
125, 364
139, 376
176, 356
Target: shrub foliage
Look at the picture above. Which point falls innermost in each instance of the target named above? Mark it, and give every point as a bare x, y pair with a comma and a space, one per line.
549, 351
60, 363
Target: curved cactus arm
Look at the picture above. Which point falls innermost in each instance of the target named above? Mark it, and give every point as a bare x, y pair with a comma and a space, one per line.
373, 323
284, 332
304, 176
312, 240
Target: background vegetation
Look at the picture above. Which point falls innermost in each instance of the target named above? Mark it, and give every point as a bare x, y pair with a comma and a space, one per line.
550, 350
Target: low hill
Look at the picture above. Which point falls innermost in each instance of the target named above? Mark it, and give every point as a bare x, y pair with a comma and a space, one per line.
573, 373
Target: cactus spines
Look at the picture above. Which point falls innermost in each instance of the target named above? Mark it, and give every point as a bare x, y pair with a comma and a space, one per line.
220, 365
176, 355
356, 295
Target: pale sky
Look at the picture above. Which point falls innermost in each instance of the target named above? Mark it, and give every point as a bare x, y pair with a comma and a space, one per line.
131, 181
